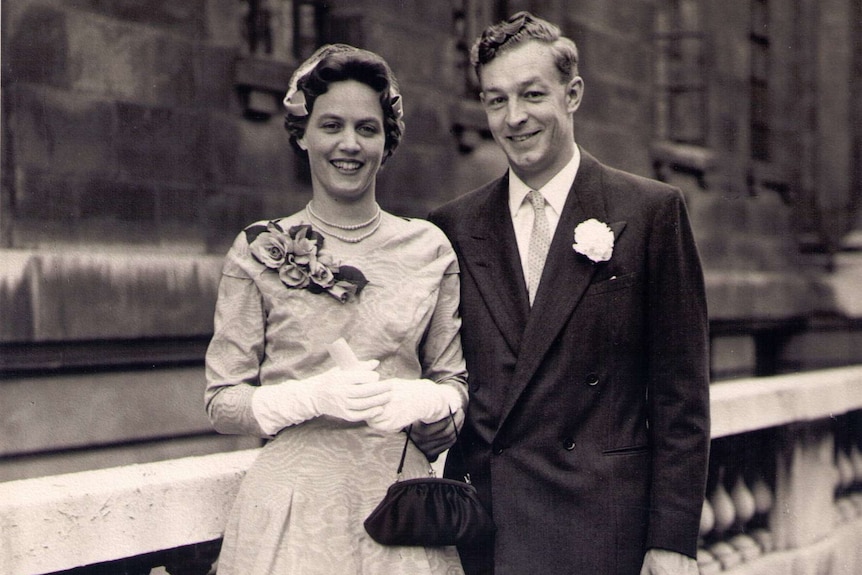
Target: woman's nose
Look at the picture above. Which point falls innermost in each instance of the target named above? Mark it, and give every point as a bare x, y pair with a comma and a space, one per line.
349, 141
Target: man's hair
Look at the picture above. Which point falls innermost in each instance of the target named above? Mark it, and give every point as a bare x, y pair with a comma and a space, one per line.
523, 27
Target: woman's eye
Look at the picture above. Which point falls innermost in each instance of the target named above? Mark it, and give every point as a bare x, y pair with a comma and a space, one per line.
330, 126
368, 130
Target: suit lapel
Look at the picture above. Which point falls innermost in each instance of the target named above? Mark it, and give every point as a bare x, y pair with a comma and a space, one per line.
490, 252
565, 277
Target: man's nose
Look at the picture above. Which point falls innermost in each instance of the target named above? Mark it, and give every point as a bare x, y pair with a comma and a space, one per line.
516, 114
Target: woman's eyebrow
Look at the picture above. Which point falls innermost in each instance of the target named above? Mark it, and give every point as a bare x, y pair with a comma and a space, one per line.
333, 116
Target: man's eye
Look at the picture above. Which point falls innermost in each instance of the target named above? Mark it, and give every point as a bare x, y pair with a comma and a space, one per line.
534, 95
496, 101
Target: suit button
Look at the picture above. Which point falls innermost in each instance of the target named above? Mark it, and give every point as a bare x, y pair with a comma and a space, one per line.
569, 444
498, 450
591, 379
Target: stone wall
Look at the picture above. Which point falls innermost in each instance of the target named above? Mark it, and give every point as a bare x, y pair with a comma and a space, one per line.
123, 127
130, 160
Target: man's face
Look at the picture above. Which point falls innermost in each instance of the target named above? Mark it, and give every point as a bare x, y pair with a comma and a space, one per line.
530, 109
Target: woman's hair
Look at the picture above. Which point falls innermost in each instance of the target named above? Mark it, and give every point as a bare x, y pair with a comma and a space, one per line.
522, 27
338, 63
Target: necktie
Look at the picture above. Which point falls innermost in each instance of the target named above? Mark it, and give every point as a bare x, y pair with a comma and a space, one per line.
540, 240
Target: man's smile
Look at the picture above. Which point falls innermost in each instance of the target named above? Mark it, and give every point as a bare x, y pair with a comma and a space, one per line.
518, 138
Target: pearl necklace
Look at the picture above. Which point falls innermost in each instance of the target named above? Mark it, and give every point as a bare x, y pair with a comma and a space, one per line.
346, 239
349, 227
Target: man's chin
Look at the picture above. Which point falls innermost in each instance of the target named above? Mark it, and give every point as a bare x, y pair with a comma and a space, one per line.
525, 163
521, 158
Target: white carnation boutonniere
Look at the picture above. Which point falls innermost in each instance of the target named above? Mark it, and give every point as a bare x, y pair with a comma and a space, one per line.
594, 239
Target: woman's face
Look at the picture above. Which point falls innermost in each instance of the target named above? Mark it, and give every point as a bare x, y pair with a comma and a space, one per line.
345, 141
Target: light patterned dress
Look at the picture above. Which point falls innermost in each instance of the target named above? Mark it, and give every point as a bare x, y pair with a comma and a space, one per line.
301, 506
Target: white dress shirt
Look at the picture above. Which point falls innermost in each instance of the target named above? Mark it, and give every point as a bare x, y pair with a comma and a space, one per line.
555, 193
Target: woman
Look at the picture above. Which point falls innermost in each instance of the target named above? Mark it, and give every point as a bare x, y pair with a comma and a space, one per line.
341, 267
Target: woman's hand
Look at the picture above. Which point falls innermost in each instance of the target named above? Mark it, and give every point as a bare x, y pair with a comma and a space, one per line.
435, 438
414, 400
353, 395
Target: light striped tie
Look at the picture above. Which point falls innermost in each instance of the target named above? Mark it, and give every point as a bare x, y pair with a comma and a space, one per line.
540, 240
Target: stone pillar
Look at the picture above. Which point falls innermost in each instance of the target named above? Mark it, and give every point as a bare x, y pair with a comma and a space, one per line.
835, 131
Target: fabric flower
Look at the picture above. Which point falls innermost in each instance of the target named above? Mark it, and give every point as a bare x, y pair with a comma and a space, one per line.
270, 249
343, 290
304, 247
594, 239
326, 259
293, 275
298, 257
321, 275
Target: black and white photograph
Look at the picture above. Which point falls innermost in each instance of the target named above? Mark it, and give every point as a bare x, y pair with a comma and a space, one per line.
430, 287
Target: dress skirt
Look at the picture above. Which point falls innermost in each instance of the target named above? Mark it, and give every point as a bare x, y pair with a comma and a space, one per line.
301, 506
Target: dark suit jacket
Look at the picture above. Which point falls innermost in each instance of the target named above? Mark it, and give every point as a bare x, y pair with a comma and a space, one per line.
587, 433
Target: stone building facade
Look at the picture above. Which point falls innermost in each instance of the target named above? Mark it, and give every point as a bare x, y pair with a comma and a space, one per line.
138, 137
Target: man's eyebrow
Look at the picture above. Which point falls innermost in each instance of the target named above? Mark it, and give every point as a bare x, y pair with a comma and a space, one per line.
520, 86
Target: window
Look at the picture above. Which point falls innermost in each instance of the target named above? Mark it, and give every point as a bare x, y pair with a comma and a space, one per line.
283, 30
681, 90
309, 17
469, 18
759, 81
278, 35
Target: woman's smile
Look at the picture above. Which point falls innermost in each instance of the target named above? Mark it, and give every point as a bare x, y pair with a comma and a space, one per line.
347, 166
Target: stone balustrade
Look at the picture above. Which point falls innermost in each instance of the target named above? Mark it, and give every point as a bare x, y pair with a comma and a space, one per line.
784, 494
785, 484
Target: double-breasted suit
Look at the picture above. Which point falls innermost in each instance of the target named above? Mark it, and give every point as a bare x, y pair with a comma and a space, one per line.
587, 431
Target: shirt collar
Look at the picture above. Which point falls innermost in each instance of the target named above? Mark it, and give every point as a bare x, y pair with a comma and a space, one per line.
555, 191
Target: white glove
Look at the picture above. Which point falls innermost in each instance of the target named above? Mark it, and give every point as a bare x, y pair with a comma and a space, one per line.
414, 400
352, 395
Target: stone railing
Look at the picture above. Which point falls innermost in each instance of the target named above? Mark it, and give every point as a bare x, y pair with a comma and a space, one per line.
784, 495
785, 485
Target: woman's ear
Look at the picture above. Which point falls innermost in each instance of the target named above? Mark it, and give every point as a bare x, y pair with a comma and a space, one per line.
301, 143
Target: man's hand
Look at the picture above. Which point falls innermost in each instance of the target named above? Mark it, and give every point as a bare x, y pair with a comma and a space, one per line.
665, 562
435, 438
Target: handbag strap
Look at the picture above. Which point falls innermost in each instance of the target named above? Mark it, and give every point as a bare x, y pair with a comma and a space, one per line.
457, 442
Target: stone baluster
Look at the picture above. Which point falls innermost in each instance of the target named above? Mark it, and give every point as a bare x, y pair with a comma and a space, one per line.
804, 510
706, 561
846, 477
856, 460
763, 501
725, 518
745, 507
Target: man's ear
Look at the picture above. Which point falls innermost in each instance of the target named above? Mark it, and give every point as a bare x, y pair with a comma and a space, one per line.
574, 93
482, 97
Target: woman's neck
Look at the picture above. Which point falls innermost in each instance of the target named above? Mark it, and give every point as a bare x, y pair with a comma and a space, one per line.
343, 212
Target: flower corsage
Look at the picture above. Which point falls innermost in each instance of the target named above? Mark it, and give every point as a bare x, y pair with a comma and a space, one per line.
594, 239
301, 262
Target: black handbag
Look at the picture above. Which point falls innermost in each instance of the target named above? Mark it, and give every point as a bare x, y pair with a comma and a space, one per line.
429, 511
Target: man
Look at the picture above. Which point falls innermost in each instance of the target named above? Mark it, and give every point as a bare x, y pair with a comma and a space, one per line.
585, 334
